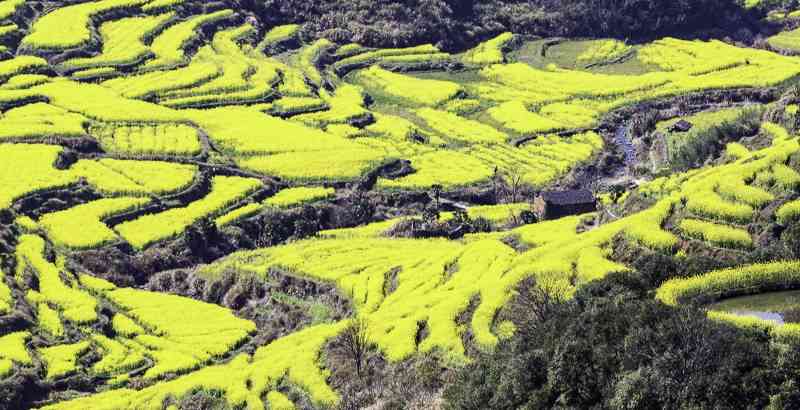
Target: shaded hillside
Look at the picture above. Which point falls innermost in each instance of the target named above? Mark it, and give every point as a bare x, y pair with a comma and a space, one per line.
454, 24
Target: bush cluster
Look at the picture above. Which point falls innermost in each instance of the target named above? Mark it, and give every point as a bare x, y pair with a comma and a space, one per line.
457, 24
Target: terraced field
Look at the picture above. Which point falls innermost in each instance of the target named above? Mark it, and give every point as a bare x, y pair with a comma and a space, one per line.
177, 176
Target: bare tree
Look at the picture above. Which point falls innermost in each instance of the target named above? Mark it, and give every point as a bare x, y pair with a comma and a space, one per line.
355, 342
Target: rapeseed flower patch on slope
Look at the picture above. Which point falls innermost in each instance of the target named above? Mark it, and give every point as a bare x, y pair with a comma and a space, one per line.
12, 347
76, 305
278, 34
459, 128
786, 40
407, 89
241, 130
244, 380
9, 7
136, 178
26, 168
40, 121
81, 227
21, 65
162, 139
717, 234
490, 51
62, 360
297, 196
604, 51
169, 46
225, 191
316, 166
68, 27
183, 333
724, 283
789, 212
123, 42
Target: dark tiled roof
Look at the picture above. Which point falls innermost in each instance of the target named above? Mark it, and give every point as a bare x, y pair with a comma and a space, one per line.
570, 197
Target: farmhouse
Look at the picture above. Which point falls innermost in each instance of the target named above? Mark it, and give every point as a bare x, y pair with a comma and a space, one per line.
557, 204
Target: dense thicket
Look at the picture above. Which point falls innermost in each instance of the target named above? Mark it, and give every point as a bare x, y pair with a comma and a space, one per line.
455, 24
613, 347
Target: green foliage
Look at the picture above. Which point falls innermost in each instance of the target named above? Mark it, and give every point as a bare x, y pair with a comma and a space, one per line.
710, 132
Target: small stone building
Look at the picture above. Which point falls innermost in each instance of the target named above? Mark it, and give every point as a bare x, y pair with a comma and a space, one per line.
557, 204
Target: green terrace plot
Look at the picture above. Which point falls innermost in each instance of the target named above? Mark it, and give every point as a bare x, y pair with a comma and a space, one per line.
787, 41
683, 147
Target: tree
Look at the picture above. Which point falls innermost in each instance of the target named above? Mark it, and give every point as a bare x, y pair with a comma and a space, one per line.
355, 343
